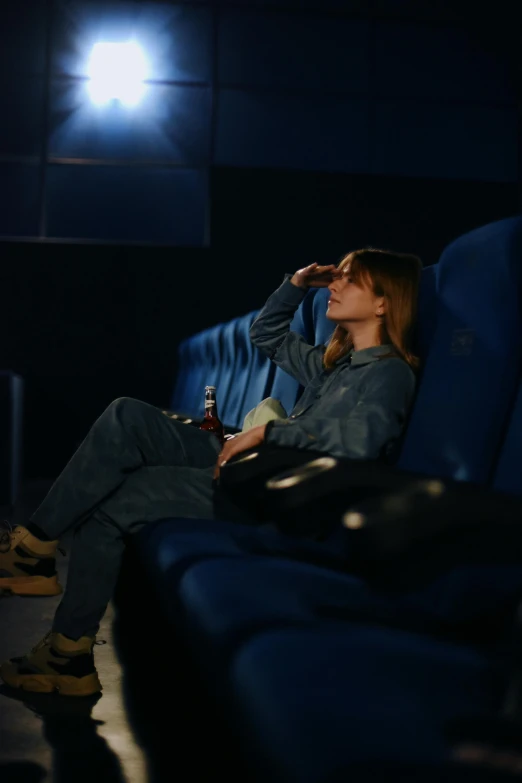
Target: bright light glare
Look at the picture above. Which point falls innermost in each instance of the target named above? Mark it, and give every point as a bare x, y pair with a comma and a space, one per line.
117, 72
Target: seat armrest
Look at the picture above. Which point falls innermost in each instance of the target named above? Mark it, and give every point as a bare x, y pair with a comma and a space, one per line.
388, 514
324, 477
429, 514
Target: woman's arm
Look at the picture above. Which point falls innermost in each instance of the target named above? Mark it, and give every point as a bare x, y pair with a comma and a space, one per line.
376, 420
270, 330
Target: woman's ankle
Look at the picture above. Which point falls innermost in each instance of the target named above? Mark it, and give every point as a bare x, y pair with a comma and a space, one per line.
37, 532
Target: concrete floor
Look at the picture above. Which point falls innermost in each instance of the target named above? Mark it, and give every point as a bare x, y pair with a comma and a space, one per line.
53, 739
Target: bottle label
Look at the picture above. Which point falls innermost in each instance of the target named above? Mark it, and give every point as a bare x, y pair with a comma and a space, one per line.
209, 404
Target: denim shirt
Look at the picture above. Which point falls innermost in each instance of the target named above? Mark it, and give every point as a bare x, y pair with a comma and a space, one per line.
356, 410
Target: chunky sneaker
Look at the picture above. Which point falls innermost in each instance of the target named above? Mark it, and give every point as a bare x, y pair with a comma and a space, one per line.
27, 565
56, 663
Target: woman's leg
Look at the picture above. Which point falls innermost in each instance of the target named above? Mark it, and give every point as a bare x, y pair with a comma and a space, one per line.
129, 435
149, 494
64, 659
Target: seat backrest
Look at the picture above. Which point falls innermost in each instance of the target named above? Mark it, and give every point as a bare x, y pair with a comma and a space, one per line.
261, 373
285, 388
322, 326
230, 411
229, 357
213, 361
200, 364
471, 371
190, 376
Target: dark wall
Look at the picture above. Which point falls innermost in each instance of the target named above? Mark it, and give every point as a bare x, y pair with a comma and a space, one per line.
85, 324
379, 87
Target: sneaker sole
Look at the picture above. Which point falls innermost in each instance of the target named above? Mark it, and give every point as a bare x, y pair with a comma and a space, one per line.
31, 585
48, 683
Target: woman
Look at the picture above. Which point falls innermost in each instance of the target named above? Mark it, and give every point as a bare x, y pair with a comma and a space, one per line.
137, 466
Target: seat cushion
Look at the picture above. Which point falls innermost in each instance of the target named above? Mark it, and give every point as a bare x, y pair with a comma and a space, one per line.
167, 547
224, 600
327, 703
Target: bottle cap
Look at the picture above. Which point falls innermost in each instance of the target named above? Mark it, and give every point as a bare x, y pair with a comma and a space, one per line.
210, 387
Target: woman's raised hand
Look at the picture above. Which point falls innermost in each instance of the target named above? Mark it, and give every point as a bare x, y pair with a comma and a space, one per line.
315, 276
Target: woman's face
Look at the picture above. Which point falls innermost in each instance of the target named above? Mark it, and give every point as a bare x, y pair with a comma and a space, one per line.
350, 302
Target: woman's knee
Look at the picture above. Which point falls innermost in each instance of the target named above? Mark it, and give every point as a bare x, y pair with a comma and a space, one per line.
124, 402
123, 408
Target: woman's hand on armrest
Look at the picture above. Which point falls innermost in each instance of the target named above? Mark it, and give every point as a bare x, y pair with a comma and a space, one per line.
242, 442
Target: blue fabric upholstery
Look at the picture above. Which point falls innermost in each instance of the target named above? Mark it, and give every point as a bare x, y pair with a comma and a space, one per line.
260, 374
228, 365
322, 327
211, 347
230, 411
474, 357
199, 356
168, 547
316, 705
225, 600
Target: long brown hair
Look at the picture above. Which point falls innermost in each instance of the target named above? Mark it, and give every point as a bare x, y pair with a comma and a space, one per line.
395, 276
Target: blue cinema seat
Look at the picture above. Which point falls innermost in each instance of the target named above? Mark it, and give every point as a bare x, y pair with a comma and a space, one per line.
225, 357
322, 328
229, 358
221, 356
193, 355
230, 407
257, 377
354, 703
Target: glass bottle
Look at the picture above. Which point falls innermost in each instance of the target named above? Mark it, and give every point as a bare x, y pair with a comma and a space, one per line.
211, 422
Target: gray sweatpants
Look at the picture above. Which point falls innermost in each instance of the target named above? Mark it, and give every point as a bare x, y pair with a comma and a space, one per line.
135, 466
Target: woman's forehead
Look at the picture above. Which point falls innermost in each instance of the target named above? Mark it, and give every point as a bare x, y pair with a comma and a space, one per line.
349, 268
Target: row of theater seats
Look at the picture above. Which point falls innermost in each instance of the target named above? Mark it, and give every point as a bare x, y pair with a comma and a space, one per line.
224, 357
324, 675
